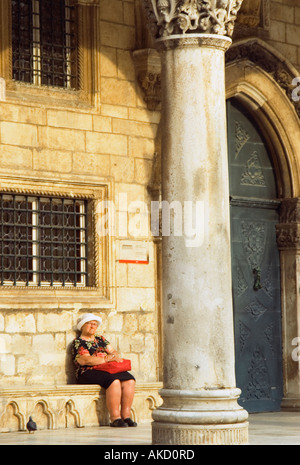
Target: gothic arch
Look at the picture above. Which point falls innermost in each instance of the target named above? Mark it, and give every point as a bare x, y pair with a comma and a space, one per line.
11, 418
261, 78
43, 415
72, 412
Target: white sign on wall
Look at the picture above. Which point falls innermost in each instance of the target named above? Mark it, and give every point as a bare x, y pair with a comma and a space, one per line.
134, 252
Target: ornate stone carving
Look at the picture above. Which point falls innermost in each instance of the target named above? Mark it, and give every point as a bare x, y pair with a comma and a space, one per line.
258, 386
241, 138
288, 231
172, 17
250, 13
290, 210
148, 70
266, 59
255, 310
254, 239
245, 333
253, 19
253, 174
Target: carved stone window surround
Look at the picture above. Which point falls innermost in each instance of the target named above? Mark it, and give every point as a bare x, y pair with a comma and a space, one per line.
84, 95
98, 295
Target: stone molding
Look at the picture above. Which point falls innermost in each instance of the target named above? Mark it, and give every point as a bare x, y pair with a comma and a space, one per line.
100, 294
2, 90
68, 406
167, 433
194, 40
208, 416
269, 60
87, 2
288, 230
169, 17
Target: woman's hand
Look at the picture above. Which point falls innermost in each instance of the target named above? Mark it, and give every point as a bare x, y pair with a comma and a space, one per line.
115, 357
112, 354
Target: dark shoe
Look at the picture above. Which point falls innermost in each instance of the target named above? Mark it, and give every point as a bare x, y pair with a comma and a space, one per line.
130, 422
118, 423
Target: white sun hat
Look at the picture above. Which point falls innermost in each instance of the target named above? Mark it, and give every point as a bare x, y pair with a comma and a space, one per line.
88, 317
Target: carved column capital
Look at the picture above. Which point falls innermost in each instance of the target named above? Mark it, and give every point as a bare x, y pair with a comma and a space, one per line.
288, 230
148, 69
173, 17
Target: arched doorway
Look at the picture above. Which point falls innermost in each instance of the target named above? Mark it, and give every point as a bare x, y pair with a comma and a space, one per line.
255, 264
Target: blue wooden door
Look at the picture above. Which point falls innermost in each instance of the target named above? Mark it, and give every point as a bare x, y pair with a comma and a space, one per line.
255, 265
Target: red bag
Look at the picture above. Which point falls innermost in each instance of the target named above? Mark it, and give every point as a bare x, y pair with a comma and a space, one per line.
114, 366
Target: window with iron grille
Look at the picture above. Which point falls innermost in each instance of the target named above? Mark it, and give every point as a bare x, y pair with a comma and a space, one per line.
43, 241
44, 44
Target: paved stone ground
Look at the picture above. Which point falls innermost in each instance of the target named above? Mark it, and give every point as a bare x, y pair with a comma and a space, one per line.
264, 429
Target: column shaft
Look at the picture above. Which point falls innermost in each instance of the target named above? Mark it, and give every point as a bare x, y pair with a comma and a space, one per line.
200, 398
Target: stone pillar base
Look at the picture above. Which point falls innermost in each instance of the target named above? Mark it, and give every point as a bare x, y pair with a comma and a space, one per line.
207, 416
170, 433
290, 404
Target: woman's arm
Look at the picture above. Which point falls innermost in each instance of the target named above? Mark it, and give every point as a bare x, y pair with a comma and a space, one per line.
112, 354
92, 360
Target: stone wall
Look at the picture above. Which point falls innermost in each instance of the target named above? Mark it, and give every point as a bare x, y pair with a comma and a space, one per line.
285, 29
101, 138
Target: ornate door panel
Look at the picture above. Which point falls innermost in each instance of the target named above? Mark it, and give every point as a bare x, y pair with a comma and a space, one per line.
255, 266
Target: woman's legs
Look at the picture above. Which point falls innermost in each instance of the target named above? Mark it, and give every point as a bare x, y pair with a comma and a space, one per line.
120, 393
127, 397
113, 399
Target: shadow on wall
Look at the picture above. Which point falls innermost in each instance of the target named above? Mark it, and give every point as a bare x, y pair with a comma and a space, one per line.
69, 365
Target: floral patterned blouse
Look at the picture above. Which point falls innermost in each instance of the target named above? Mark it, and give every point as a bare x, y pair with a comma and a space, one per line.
82, 347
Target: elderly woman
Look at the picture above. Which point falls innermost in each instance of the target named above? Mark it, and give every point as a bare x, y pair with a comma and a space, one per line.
89, 351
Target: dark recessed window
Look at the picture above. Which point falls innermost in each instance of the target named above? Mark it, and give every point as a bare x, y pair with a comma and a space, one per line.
43, 241
44, 44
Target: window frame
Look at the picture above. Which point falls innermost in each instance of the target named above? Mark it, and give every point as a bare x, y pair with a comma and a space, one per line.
34, 243
100, 292
85, 95
67, 57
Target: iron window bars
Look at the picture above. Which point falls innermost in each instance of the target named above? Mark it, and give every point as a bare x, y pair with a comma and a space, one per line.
44, 42
43, 241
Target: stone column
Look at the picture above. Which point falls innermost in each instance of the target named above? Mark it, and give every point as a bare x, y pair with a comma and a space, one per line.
199, 394
288, 240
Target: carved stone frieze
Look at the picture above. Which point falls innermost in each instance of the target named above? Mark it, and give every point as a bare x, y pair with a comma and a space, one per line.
266, 59
253, 19
290, 211
148, 71
250, 13
288, 230
172, 17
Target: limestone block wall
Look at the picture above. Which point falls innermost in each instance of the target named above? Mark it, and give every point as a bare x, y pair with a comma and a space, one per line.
99, 139
285, 29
